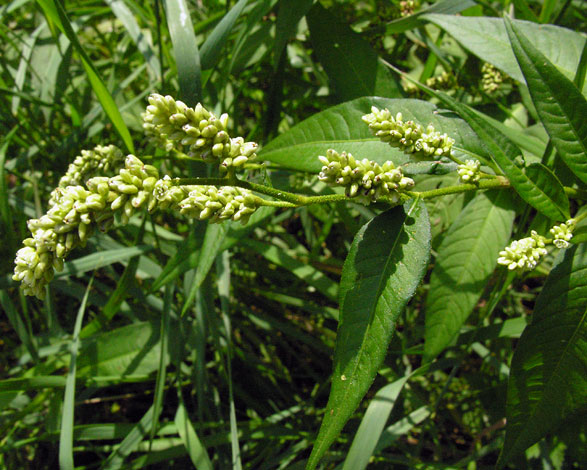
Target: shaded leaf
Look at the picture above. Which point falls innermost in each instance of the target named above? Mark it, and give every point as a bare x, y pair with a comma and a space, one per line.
560, 105
446, 7
466, 258
544, 178
549, 369
385, 264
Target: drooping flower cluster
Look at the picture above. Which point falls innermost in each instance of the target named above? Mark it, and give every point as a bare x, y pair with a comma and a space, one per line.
75, 216
525, 253
563, 233
469, 171
102, 160
196, 132
364, 179
492, 78
408, 136
80, 210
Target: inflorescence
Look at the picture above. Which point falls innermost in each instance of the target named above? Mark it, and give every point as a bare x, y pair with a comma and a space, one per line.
80, 210
196, 132
469, 171
363, 179
524, 254
408, 136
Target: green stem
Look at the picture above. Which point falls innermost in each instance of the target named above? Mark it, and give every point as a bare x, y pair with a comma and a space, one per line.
497, 182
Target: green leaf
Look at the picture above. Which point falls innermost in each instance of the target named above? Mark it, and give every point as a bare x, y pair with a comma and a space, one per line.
54, 11
487, 39
544, 178
342, 129
289, 15
101, 259
132, 349
191, 441
185, 50
560, 105
466, 258
549, 369
213, 239
187, 254
385, 264
504, 153
349, 61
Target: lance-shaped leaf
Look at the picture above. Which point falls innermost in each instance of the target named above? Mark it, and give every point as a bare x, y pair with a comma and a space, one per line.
504, 152
549, 368
466, 258
385, 264
559, 103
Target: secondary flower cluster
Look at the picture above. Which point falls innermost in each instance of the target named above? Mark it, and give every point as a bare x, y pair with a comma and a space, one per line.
492, 78
469, 171
524, 254
363, 179
196, 132
408, 136
80, 210
102, 160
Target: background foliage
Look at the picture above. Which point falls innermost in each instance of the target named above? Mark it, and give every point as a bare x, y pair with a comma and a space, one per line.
106, 372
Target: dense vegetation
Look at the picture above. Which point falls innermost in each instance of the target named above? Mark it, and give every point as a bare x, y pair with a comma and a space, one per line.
186, 307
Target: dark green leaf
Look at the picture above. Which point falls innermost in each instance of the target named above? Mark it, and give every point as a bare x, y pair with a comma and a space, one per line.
560, 105
549, 368
466, 258
542, 177
504, 153
349, 61
385, 264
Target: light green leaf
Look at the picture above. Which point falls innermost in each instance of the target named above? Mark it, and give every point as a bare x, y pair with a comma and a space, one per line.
549, 368
66, 435
213, 239
385, 264
504, 153
185, 50
560, 105
195, 448
487, 39
342, 129
54, 11
349, 60
466, 258
132, 349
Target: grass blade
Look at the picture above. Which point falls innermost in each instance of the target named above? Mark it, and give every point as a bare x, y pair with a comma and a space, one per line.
185, 50
66, 436
196, 450
56, 14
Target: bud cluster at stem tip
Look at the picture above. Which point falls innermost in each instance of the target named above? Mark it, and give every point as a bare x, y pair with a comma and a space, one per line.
364, 179
196, 132
469, 171
524, 254
408, 136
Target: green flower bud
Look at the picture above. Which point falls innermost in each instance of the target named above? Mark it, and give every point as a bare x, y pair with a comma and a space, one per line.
469, 171
218, 204
492, 78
